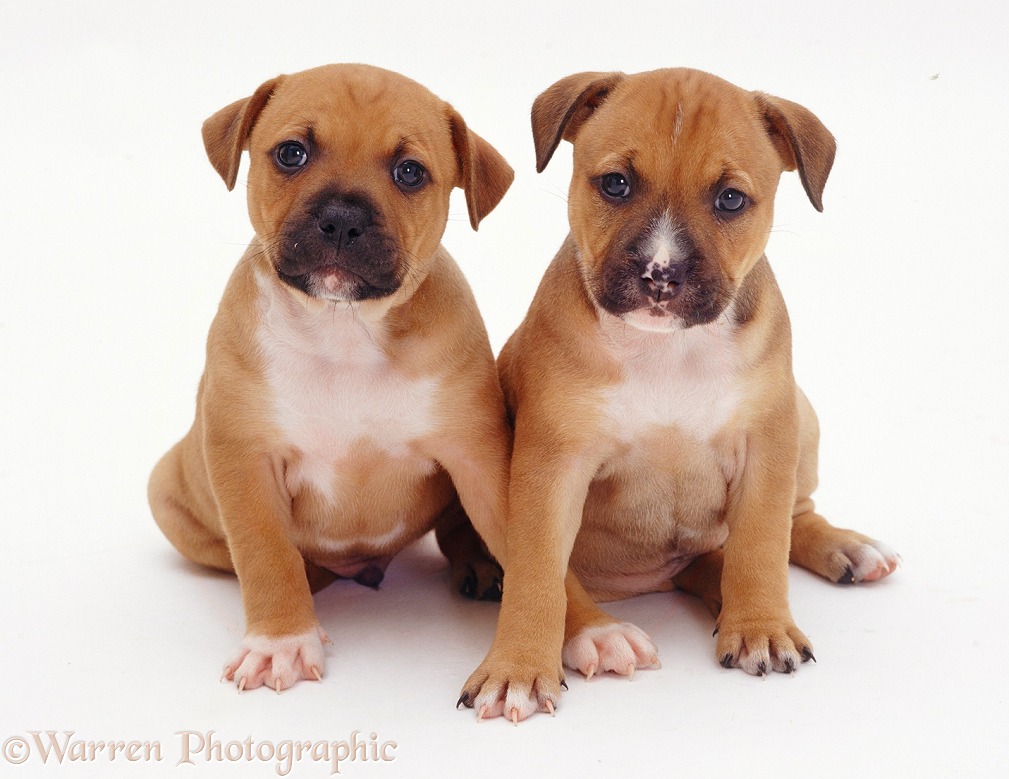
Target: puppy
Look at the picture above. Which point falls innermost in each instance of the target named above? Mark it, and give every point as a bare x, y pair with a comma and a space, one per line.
350, 399
660, 438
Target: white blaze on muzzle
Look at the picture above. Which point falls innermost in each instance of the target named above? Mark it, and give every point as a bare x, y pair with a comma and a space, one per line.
664, 246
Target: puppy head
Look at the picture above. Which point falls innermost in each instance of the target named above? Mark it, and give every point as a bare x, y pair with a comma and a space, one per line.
672, 194
350, 172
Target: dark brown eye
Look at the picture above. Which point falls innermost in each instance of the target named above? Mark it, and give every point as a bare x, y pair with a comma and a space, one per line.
615, 186
292, 154
730, 201
409, 174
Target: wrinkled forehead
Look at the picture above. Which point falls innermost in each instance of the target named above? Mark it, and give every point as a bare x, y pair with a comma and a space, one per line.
354, 107
675, 120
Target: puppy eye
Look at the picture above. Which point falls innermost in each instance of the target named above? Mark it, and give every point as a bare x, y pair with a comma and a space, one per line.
615, 185
730, 201
409, 174
292, 154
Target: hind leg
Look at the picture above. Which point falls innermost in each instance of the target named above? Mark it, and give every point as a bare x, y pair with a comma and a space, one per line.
474, 572
703, 579
842, 556
183, 516
595, 642
177, 508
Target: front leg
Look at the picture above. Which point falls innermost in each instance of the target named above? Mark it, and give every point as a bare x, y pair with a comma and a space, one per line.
755, 628
522, 672
283, 641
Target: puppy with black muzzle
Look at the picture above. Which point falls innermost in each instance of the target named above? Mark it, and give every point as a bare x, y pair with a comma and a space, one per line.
660, 438
350, 400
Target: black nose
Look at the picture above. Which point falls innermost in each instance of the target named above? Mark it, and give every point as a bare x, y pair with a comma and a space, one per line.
664, 283
343, 223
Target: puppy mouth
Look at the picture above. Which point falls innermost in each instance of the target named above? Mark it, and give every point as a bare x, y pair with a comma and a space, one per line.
631, 298
706, 310
655, 317
337, 283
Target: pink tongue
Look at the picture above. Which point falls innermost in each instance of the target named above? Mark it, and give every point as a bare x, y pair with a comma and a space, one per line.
331, 282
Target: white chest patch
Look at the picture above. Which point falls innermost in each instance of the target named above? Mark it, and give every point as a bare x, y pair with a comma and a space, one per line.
333, 387
686, 378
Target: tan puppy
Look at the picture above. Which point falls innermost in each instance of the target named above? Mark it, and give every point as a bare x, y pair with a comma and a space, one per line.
658, 426
349, 389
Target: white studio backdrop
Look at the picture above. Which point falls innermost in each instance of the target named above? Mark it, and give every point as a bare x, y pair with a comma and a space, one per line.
116, 239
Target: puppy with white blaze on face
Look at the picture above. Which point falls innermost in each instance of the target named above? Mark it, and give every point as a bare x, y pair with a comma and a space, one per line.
661, 441
350, 401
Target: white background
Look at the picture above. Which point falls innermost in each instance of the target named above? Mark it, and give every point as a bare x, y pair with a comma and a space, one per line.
116, 238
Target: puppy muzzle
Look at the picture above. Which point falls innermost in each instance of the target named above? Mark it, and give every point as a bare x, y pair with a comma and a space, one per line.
339, 250
657, 296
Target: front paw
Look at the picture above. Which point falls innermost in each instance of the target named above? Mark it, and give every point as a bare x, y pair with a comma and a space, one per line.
278, 661
760, 645
513, 687
617, 646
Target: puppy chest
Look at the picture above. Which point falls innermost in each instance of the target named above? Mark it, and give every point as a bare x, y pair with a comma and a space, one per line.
659, 500
347, 414
686, 380
352, 420
325, 411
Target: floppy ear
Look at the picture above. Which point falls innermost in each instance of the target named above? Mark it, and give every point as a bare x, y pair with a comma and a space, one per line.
562, 110
801, 141
484, 175
226, 133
